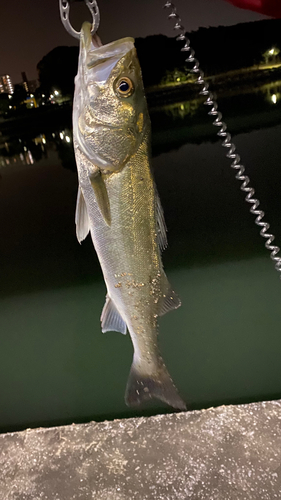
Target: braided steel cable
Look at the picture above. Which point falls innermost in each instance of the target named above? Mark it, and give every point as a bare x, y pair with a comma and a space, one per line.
226, 136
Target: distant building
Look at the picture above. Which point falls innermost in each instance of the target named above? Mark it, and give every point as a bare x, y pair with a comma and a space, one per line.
25, 81
29, 85
6, 85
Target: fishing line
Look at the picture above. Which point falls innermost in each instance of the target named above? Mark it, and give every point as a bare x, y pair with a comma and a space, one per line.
226, 136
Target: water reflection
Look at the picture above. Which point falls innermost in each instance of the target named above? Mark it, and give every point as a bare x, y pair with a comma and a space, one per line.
267, 93
247, 111
27, 151
180, 109
272, 92
22, 151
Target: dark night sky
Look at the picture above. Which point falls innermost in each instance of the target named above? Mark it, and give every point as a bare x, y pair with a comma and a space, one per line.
29, 29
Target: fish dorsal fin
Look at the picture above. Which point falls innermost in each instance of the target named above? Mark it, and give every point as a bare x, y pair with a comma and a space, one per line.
161, 225
81, 217
111, 319
170, 300
99, 187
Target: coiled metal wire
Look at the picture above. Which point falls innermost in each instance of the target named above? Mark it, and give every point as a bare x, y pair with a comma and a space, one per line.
226, 136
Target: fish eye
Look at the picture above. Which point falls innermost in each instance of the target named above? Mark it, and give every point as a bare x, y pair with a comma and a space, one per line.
124, 86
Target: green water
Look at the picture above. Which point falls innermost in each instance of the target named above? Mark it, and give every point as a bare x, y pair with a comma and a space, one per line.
222, 346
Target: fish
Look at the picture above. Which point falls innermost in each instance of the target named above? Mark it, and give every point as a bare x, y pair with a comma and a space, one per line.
118, 204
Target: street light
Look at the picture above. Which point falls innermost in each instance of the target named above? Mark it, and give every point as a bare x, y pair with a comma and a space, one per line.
273, 51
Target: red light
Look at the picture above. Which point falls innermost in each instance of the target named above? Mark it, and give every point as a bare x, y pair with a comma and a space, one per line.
270, 8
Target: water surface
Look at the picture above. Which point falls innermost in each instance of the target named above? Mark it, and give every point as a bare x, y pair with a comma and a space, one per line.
222, 346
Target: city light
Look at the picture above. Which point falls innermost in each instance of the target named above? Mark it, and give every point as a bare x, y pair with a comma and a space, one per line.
43, 140
29, 158
56, 92
67, 138
6, 84
61, 135
274, 98
274, 51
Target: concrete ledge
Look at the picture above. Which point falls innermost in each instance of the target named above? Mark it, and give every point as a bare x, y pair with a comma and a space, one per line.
230, 452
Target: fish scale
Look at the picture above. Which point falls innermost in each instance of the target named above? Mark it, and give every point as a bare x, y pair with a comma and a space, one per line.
118, 204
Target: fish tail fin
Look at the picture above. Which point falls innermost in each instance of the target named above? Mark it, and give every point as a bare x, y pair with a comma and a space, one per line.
143, 386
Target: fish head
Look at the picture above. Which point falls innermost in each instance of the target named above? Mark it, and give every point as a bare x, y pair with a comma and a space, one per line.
110, 114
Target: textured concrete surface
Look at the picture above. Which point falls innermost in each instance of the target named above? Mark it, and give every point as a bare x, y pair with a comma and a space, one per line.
230, 452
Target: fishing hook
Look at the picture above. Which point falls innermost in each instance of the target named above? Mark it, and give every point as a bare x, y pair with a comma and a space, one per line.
227, 139
64, 14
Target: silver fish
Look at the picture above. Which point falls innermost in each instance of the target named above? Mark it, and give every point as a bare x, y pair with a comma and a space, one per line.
118, 204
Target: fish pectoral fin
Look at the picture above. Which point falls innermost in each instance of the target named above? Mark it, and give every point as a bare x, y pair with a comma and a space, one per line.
170, 300
99, 187
161, 225
81, 217
111, 319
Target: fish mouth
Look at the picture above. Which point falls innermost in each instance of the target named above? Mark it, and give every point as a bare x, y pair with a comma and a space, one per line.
96, 52
99, 60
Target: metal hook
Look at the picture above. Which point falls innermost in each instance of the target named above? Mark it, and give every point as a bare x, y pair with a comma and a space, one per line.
64, 14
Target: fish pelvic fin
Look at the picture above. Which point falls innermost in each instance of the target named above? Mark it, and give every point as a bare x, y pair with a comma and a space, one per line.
142, 387
81, 217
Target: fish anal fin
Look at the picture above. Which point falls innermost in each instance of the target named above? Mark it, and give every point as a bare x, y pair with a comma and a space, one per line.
99, 187
170, 299
111, 319
142, 387
81, 217
161, 224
